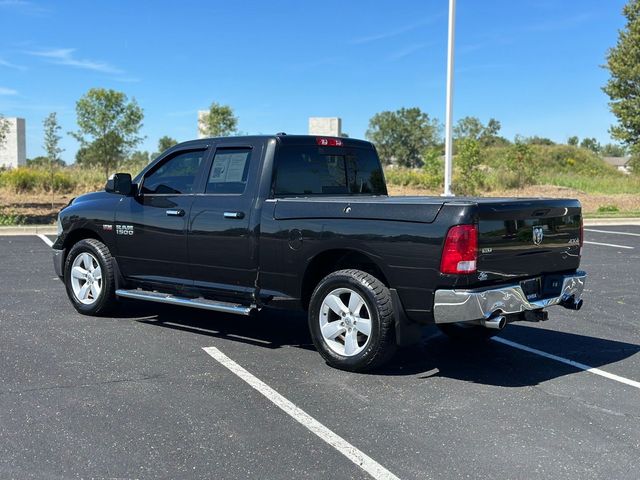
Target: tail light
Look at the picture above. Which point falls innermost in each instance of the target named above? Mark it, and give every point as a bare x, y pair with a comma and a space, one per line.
460, 252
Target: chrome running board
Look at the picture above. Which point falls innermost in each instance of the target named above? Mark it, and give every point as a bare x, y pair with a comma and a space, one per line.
202, 303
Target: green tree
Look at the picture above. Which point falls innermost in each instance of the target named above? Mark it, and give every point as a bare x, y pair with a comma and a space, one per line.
468, 160
472, 128
590, 144
536, 140
109, 127
401, 137
165, 142
52, 148
613, 150
573, 141
623, 87
219, 121
136, 162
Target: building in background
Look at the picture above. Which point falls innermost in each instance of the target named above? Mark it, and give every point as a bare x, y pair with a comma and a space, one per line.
327, 126
622, 164
202, 115
13, 153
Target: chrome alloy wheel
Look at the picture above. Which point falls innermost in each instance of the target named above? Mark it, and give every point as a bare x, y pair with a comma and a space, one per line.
345, 322
86, 278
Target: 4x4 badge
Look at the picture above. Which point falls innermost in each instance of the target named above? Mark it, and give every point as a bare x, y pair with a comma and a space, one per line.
538, 235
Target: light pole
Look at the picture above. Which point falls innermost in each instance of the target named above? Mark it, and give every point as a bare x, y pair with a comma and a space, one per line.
448, 141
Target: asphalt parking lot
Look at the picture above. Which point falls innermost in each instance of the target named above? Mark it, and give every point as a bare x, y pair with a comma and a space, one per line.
136, 396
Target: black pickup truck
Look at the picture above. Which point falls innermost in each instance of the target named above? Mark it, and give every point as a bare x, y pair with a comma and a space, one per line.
241, 223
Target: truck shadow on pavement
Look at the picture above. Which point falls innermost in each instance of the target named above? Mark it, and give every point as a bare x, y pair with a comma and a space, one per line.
490, 363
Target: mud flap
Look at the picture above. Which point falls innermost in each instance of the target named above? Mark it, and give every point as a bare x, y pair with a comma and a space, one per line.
407, 332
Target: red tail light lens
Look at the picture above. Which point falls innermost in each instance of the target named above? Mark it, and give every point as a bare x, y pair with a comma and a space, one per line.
581, 235
460, 253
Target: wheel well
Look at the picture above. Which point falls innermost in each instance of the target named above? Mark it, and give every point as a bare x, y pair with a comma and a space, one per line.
80, 234
332, 260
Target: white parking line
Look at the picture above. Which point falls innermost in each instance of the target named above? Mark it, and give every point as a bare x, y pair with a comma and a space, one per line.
45, 239
581, 366
609, 245
612, 231
365, 462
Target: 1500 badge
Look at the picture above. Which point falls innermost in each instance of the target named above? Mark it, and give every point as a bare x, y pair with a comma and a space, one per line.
124, 229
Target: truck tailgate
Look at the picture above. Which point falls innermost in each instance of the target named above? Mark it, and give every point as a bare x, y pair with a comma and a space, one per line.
527, 238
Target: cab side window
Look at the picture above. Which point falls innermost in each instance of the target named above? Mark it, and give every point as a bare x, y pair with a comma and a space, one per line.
229, 171
176, 175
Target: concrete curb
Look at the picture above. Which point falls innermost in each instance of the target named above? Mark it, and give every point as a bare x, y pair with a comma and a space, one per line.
28, 230
593, 222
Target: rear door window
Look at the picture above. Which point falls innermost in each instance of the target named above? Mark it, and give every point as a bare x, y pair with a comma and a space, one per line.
313, 170
229, 171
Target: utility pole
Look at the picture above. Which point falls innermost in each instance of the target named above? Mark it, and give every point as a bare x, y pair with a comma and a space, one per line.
448, 140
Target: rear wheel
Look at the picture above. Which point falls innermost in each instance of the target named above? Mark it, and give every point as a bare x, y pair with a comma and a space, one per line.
351, 320
465, 332
89, 279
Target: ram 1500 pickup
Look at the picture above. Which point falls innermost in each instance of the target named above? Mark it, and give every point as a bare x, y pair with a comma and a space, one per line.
241, 223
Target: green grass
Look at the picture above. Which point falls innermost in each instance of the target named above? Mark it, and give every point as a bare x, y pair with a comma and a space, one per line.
618, 214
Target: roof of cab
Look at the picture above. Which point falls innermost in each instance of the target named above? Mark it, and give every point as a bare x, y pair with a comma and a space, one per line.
283, 139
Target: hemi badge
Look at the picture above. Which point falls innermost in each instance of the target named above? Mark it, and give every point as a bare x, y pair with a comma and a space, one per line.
107, 227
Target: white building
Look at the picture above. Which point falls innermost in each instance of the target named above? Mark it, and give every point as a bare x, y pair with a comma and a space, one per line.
326, 126
13, 153
202, 118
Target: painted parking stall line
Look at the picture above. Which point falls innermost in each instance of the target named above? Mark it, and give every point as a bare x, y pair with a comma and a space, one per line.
45, 239
612, 231
566, 361
369, 465
609, 245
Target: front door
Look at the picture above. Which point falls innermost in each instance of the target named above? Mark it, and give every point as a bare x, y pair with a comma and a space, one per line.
222, 240
151, 227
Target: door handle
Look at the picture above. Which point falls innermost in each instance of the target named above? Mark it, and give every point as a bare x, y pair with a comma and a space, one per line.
237, 215
175, 213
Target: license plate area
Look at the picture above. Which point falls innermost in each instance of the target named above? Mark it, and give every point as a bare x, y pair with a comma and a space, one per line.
532, 288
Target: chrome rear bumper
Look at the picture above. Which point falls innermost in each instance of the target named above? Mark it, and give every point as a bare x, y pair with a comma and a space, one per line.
465, 305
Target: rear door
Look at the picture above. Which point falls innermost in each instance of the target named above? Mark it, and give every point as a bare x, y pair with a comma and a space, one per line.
528, 238
151, 227
222, 235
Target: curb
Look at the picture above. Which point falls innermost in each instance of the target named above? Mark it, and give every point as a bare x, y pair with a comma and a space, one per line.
28, 230
593, 222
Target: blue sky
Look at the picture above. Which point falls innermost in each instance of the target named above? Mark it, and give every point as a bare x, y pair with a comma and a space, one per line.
535, 65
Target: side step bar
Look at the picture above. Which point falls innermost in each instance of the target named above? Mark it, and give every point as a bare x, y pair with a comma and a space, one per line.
186, 302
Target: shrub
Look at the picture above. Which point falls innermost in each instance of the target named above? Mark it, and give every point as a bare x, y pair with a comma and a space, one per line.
468, 160
30, 180
608, 209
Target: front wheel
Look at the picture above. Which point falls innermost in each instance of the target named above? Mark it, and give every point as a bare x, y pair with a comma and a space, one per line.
351, 320
89, 278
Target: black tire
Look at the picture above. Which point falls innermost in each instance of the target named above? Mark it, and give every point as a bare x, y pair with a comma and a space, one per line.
106, 300
462, 332
381, 343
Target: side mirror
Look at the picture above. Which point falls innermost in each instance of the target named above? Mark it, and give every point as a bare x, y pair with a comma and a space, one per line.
119, 183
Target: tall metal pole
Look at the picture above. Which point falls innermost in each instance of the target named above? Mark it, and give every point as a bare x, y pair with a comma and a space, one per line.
448, 141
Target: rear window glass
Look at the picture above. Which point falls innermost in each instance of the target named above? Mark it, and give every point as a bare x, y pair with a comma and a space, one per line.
311, 170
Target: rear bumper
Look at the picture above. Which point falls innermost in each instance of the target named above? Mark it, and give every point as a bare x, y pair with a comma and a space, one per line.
58, 261
465, 305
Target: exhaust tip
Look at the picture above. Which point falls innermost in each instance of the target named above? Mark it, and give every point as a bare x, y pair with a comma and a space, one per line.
496, 323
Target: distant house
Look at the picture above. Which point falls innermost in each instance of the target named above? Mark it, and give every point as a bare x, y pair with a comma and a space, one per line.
621, 163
